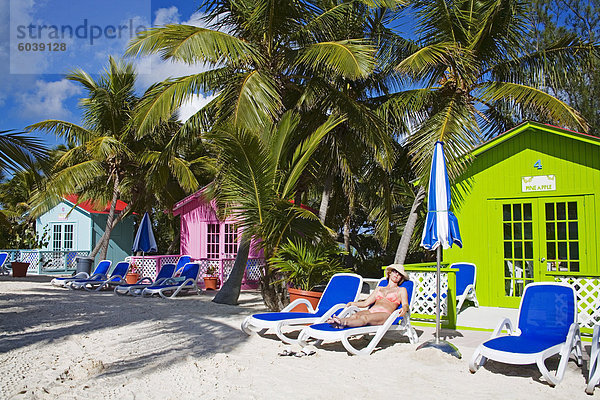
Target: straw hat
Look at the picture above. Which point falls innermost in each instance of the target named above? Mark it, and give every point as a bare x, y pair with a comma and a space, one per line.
396, 267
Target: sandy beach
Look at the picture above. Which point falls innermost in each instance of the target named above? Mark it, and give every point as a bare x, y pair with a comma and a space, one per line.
58, 343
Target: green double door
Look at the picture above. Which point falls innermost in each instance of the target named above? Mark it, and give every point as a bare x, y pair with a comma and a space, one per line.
532, 239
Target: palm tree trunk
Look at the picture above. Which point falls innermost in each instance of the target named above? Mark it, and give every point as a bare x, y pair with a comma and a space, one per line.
105, 239
230, 292
325, 199
409, 228
273, 290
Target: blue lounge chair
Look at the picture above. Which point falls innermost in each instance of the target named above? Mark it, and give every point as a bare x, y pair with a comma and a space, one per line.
341, 289
186, 282
547, 325
594, 371
466, 277
99, 273
3, 258
116, 277
323, 331
167, 271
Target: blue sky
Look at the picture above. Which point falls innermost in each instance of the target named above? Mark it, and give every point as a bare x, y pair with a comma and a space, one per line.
32, 84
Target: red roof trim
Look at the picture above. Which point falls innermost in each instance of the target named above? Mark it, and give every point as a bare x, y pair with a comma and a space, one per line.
89, 207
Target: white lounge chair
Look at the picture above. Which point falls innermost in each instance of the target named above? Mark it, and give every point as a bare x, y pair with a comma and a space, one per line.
594, 371
166, 271
466, 277
117, 277
341, 289
186, 282
547, 325
100, 272
323, 331
3, 259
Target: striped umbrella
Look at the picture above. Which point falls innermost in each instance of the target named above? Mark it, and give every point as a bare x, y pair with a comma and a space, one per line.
441, 230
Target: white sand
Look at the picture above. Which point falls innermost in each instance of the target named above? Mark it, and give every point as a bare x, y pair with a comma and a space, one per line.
57, 343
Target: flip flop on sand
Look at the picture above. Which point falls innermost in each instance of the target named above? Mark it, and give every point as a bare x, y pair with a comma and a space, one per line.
307, 351
287, 352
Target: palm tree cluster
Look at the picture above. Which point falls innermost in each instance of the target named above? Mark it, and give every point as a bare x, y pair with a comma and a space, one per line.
315, 102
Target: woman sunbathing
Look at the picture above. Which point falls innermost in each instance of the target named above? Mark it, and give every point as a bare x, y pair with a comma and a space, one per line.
386, 299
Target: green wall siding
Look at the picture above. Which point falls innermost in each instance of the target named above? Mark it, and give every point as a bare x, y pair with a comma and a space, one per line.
121, 238
495, 176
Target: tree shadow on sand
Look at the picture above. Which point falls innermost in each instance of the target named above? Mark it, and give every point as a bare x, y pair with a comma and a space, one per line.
190, 325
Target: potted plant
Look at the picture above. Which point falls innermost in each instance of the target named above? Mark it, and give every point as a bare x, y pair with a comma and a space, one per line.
132, 275
19, 269
210, 278
306, 266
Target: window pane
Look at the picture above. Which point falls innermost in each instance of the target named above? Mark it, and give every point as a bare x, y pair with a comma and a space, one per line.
549, 211
562, 250
573, 234
518, 250
529, 269
517, 231
572, 210
561, 211
507, 232
561, 228
518, 269
529, 250
528, 231
507, 269
507, 250
527, 211
550, 234
518, 288
506, 212
574, 251
508, 287
551, 251
575, 266
516, 212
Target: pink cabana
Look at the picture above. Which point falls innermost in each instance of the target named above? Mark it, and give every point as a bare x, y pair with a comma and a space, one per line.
211, 241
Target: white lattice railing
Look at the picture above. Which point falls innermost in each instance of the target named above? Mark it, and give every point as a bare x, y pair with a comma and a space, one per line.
425, 286
47, 261
588, 299
150, 265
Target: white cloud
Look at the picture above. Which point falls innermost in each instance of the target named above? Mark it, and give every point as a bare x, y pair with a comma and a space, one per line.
47, 100
166, 16
192, 106
159, 70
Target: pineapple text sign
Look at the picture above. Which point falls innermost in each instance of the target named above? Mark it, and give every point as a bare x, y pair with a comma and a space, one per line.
542, 183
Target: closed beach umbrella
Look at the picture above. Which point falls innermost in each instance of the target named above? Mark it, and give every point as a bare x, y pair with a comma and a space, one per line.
441, 231
144, 238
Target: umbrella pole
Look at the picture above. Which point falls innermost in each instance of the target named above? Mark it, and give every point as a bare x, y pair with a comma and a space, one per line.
437, 297
436, 343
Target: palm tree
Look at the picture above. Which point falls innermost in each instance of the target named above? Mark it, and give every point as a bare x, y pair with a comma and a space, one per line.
17, 151
472, 79
261, 54
256, 183
107, 162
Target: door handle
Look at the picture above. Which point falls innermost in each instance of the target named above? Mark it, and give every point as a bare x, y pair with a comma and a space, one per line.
542, 259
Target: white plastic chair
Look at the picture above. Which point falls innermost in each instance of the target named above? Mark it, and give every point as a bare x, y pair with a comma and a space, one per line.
547, 326
466, 277
323, 331
594, 371
341, 289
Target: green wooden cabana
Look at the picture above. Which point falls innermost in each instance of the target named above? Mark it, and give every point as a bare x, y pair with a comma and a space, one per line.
529, 210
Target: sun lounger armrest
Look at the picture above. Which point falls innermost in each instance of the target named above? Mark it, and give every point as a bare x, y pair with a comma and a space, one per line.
145, 278
504, 323
81, 275
349, 311
298, 302
332, 311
